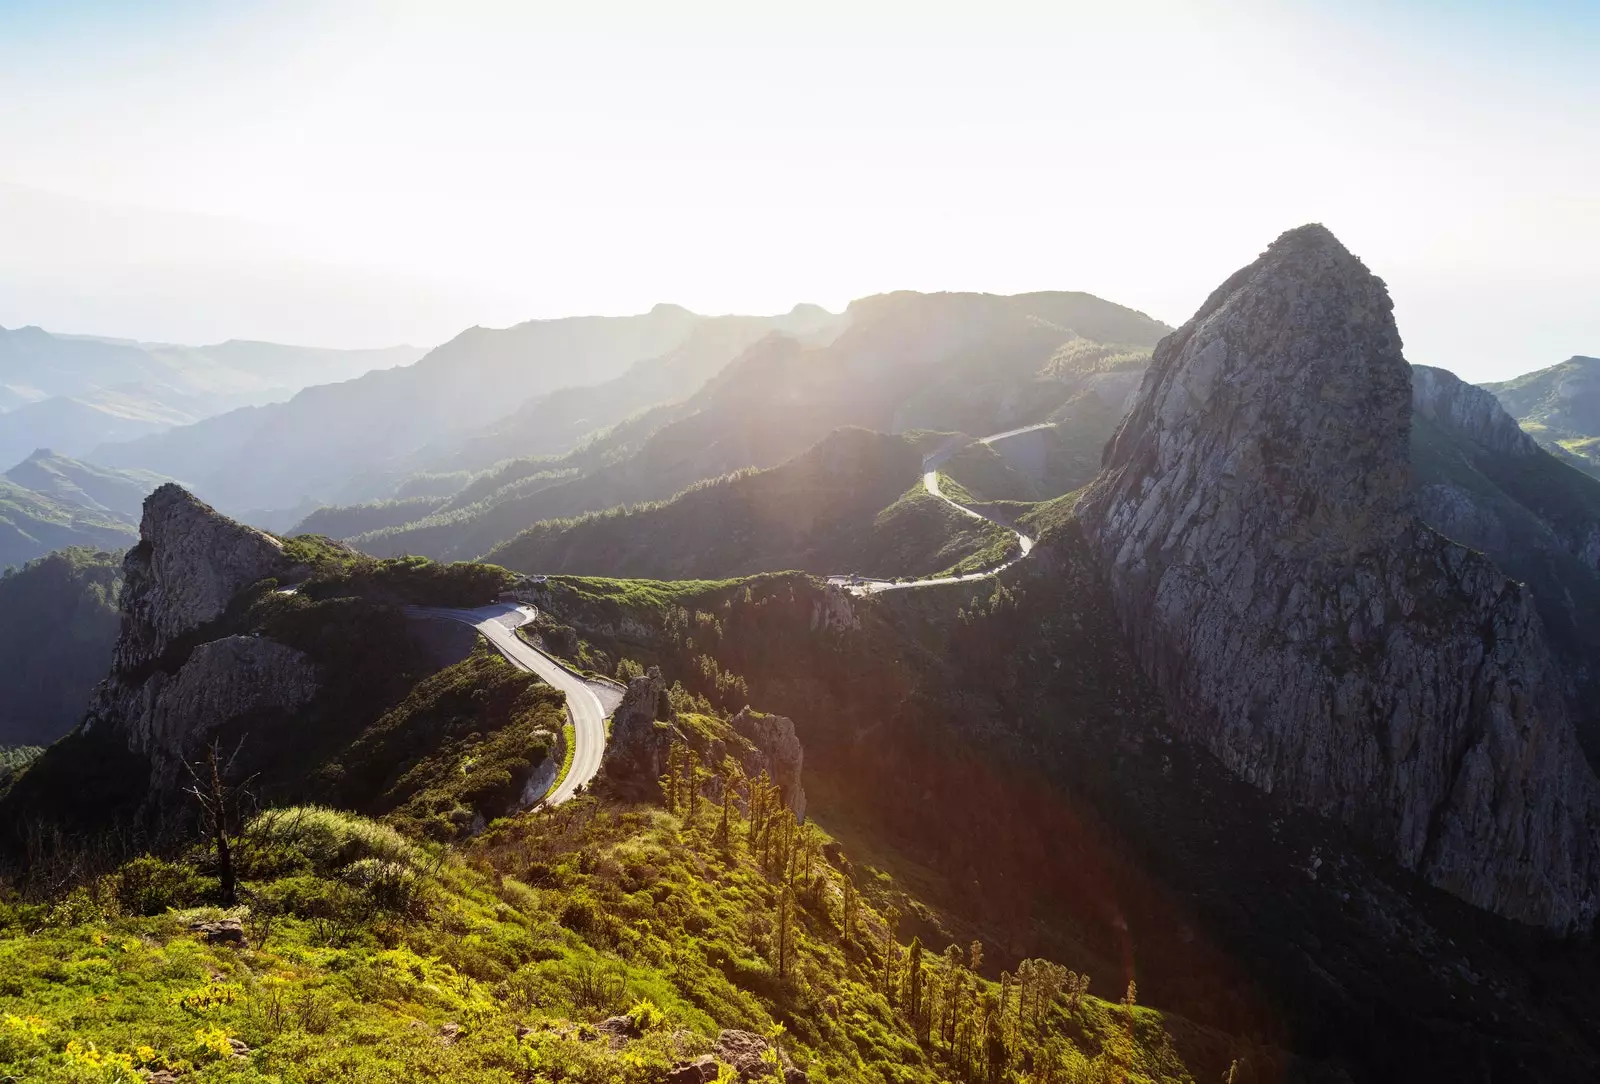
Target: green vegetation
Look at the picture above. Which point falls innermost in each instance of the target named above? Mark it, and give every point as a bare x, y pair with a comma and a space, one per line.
780, 397
58, 621
460, 747
119, 493
347, 521
842, 506
32, 525
1560, 408
362, 954
15, 758
336, 571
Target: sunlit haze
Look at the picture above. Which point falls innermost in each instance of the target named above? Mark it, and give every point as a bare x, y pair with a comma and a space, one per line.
353, 174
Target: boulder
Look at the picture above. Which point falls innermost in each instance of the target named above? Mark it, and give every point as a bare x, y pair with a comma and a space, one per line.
701, 1070
226, 932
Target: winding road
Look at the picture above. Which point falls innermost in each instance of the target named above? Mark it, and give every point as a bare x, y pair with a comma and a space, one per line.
930, 482
590, 703
587, 701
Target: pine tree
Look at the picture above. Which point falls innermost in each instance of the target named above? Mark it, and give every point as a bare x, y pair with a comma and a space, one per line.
848, 918
669, 781
785, 920
693, 778
891, 949
914, 979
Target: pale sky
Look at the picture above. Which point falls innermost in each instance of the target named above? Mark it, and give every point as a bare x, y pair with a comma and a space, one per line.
358, 174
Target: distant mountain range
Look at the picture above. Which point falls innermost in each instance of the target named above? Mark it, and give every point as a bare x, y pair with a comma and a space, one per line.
354, 440
71, 392
976, 363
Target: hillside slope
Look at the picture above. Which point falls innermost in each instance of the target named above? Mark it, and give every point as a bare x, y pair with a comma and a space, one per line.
1560, 407
852, 503
58, 620
31, 525
97, 489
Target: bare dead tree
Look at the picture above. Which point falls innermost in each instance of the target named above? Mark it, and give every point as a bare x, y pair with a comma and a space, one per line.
223, 810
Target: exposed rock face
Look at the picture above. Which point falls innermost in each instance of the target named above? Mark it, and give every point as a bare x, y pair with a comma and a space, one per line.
641, 735
777, 752
1464, 408
1444, 398
169, 686
1304, 625
1472, 414
220, 680
188, 565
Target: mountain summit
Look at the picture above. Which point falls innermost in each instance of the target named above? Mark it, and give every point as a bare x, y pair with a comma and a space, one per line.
1305, 626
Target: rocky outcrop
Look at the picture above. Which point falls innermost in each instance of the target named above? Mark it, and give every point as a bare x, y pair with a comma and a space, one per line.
641, 735
1268, 567
221, 680
176, 675
189, 564
1475, 414
776, 751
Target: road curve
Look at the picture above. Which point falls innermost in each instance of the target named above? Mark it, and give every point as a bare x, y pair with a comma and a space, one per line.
930, 482
498, 624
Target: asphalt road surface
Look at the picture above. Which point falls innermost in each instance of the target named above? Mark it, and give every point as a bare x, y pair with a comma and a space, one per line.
930, 482
498, 624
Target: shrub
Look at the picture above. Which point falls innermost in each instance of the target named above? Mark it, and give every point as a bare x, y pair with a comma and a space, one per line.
331, 840
148, 886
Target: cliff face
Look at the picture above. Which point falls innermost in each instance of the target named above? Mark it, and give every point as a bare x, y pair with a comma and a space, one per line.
1268, 567
1445, 399
171, 683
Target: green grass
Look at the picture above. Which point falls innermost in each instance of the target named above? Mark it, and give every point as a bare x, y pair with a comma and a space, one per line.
371, 957
569, 749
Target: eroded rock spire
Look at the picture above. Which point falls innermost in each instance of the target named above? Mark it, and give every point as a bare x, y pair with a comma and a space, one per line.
1254, 515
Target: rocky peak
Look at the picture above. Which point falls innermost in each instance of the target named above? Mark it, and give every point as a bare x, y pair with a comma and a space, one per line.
1290, 375
190, 562
1473, 412
1255, 519
170, 685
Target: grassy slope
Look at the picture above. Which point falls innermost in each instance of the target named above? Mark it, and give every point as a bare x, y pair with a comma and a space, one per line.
1560, 407
120, 493
374, 958
32, 525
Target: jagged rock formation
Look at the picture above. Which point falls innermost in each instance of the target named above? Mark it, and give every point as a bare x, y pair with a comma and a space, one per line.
776, 751
169, 684
220, 680
190, 562
641, 734
1268, 566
